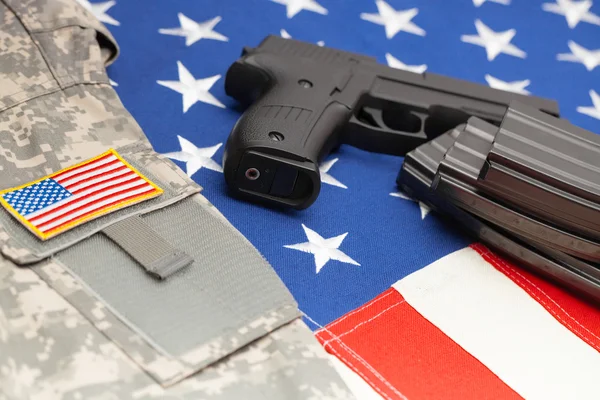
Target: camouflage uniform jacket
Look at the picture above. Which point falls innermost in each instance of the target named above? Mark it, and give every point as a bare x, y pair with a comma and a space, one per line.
67, 329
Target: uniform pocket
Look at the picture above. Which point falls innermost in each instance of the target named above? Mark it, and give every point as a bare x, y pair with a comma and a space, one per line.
226, 298
223, 298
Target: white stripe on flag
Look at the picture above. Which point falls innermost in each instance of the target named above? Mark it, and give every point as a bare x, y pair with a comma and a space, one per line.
71, 181
86, 167
498, 323
130, 175
357, 385
91, 182
67, 210
93, 207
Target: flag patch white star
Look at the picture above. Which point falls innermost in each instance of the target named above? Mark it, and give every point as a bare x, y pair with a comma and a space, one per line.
495, 43
323, 249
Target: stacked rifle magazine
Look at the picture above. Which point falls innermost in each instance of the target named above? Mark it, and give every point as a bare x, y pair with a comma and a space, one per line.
529, 189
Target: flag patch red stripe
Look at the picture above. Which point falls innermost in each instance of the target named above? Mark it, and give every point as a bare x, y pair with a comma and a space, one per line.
96, 210
116, 170
83, 198
60, 176
89, 171
92, 204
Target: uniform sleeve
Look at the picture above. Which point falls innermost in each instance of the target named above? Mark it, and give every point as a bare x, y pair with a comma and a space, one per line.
82, 315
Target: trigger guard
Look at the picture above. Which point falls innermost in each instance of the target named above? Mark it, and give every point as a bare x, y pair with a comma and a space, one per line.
376, 115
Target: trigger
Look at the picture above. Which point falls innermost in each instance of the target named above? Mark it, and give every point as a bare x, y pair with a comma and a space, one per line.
388, 130
372, 116
392, 119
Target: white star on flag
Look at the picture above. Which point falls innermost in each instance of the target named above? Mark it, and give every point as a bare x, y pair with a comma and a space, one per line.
323, 249
194, 157
478, 3
425, 210
574, 11
194, 31
594, 110
293, 7
494, 42
286, 35
515, 86
193, 90
394, 21
395, 63
113, 83
326, 178
99, 10
579, 54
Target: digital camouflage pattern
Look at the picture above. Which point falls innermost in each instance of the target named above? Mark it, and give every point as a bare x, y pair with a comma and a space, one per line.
166, 368
49, 351
57, 108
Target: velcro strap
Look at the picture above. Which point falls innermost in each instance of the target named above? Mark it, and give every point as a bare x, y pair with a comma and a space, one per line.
158, 257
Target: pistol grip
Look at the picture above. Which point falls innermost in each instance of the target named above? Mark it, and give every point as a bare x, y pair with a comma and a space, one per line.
274, 150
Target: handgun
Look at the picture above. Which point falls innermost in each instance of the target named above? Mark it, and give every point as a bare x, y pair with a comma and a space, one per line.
302, 101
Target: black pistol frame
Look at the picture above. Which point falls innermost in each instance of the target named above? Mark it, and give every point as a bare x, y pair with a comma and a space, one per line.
304, 100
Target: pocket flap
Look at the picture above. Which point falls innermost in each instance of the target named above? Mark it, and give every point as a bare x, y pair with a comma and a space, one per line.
226, 298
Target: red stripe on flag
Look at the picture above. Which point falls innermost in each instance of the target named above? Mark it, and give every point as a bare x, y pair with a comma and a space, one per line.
402, 355
101, 208
91, 170
58, 177
91, 178
120, 192
79, 200
101, 199
577, 315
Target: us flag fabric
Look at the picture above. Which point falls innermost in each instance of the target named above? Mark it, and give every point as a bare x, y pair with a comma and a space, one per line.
408, 306
78, 194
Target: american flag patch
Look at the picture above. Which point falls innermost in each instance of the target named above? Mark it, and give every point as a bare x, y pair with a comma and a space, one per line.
68, 198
